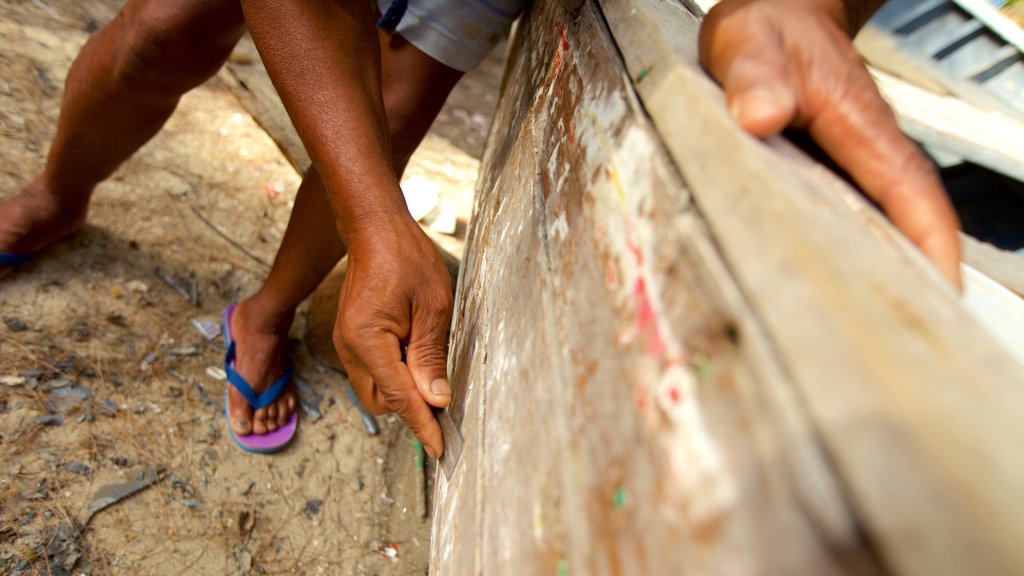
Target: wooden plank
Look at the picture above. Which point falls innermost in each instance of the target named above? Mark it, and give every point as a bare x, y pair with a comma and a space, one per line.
921, 12
1004, 267
897, 377
247, 79
986, 138
1002, 26
883, 53
624, 430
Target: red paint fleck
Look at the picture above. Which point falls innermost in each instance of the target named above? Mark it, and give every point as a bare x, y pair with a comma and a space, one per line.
269, 190
636, 253
641, 402
558, 54
645, 320
609, 275
673, 395
644, 311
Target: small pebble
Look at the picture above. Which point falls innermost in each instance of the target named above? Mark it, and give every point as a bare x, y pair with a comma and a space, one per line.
15, 324
313, 507
12, 381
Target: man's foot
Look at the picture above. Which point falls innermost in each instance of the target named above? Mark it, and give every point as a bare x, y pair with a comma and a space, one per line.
261, 349
36, 219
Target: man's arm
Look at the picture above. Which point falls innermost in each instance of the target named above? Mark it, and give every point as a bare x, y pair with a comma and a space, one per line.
791, 63
395, 307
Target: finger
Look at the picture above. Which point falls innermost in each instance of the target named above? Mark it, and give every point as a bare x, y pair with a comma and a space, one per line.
858, 130
358, 376
427, 356
363, 385
398, 389
753, 72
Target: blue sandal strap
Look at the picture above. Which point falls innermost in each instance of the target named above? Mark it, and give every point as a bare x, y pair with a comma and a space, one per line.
268, 397
13, 259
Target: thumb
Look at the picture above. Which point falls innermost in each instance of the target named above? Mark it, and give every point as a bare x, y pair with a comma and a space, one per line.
427, 355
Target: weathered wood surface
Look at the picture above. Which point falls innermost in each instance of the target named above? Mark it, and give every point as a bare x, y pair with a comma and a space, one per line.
678, 350
1004, 267
987, 138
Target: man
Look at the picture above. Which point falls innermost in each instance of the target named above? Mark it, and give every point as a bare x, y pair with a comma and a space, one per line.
781, 62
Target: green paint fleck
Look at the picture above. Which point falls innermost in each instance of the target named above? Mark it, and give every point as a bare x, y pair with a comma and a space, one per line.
620, 497
703, 368
418, 453
563, 568
643, 74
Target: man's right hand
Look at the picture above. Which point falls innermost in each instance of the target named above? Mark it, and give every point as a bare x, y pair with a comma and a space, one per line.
790, 63
397, 298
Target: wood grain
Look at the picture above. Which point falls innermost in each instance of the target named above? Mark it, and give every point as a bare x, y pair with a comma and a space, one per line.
678, 350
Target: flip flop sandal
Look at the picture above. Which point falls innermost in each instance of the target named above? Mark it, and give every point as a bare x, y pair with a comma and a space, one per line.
14, 259
260, 443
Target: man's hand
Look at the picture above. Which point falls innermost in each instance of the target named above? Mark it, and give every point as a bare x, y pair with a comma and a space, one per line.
791, 63
397, 297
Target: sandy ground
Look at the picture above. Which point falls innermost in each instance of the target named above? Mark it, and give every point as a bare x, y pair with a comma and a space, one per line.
103, 374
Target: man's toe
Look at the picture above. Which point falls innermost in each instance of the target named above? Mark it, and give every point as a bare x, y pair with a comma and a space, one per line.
239, 414
284, 413
259, 421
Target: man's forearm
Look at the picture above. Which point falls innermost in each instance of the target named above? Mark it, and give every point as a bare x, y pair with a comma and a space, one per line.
323, 57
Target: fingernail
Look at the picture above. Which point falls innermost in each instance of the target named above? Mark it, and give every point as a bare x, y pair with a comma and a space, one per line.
430, 451
760, 103
440, 387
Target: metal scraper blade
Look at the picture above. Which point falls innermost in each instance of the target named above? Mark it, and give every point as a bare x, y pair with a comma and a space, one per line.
452, 443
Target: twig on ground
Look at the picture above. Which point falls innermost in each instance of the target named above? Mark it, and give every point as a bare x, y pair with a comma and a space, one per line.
221, 233
186, 293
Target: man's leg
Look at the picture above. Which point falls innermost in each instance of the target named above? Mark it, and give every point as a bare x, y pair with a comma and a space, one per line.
415, 87
120, 90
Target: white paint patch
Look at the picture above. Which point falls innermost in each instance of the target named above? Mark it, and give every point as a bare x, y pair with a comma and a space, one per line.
708, 489
559, 228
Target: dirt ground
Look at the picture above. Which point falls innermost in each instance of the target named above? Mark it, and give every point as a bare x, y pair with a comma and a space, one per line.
104, 378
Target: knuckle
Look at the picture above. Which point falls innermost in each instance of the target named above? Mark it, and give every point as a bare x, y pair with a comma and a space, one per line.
431, 356
396, 401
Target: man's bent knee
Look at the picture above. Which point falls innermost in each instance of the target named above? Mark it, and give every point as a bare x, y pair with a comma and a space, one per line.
171, 47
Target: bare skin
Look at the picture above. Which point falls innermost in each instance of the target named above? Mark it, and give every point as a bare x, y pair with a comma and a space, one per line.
101, 82
322, 56
790, 63
781, 63
407, 75
121, 74
117, 96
